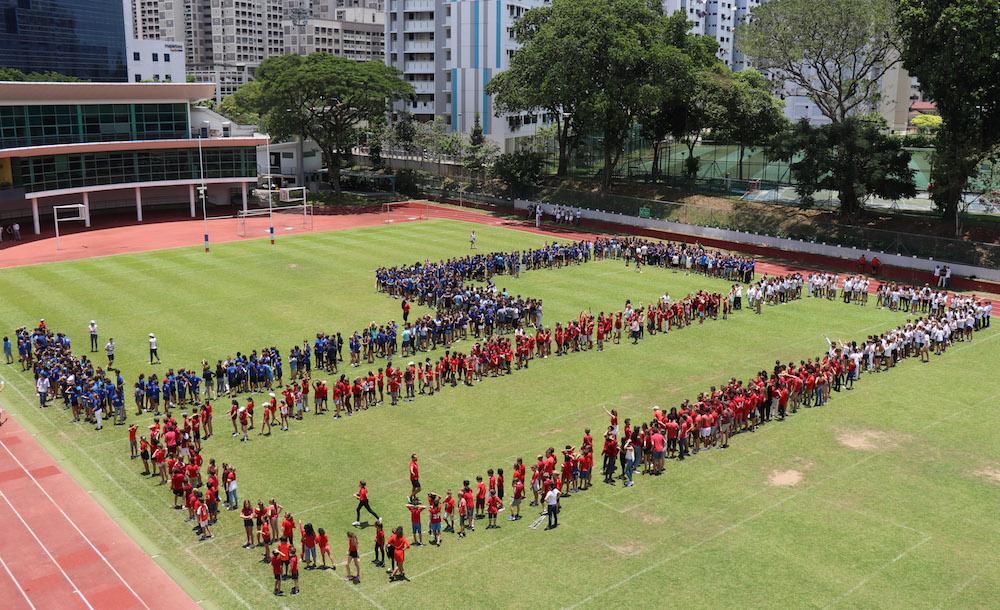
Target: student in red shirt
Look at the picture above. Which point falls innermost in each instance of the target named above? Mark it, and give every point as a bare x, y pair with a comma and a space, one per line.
323, 542
352, 557
480, 497
414, 476
493, 506
449, 512
434, 511
293, 570
362, 497
379, 544
515, 504
275, 560
415, 522
400, 544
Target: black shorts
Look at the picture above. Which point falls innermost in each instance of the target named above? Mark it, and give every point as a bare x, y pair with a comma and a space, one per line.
248, 523
179, 493
144, 455
352, 554
415, 483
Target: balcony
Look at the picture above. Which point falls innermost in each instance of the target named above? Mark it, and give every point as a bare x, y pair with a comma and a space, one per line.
419, 67
418, 25
421, 107
423, 86
418, 46
414, 6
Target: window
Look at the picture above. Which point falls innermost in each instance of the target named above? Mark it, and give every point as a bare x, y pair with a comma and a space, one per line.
135, 55
138, 78
156, 57
166, 57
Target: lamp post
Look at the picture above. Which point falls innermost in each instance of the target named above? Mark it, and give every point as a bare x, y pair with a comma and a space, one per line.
202, 188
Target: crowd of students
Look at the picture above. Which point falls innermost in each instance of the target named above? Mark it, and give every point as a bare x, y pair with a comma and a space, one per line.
507, 333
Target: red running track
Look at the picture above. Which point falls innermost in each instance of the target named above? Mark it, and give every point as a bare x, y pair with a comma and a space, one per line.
59, 548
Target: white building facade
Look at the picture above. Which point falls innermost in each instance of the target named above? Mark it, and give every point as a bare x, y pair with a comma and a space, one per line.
448, 51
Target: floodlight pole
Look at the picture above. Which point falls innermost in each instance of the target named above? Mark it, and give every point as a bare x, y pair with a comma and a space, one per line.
203, 188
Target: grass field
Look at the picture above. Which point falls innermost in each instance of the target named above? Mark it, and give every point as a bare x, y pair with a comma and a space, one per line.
900, 478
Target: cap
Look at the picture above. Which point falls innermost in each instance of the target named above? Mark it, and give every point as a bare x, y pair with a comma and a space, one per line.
151, 334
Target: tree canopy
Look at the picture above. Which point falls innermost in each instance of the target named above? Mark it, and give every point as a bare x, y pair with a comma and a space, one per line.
325, 98
951, 47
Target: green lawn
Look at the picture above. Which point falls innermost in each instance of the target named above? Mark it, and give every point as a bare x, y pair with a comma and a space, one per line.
908, 522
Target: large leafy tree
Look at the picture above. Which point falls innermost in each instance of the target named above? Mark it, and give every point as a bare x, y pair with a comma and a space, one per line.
856, 150
326, 98
699, 108
675, 82
951, 47
835, 52
753, 115
550, 71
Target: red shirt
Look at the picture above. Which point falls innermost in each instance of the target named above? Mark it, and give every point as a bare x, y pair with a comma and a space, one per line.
415, 513
480, 490
493, 505
276, 564
362, 493
414, 470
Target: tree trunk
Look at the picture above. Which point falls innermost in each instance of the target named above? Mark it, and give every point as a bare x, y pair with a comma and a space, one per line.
850, 205
333, 169
563, 168
656, 162
742, 149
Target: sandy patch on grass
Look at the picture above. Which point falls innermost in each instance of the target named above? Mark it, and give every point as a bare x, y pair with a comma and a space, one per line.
649, 518
989, 473
626, 397
870, 440
785, 478
550, 432
627, 549
293, 266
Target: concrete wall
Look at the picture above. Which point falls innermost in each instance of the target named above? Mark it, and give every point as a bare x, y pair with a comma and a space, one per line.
778, 243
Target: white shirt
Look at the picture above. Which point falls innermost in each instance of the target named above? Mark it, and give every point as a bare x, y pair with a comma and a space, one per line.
152, 343
93, 328
552, 498
42, 385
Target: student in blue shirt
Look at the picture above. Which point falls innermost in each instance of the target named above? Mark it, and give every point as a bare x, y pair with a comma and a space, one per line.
8, 351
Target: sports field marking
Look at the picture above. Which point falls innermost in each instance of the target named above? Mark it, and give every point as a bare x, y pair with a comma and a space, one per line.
45, 549
142, 506
620, 511
16, 583
714, 536
962, 587
73, 523
877, 571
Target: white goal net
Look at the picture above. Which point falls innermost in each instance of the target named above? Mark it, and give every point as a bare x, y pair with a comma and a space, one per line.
275, 221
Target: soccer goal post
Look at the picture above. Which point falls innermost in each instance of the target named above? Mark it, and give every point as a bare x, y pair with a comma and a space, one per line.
73, 212
402, 211
274, 220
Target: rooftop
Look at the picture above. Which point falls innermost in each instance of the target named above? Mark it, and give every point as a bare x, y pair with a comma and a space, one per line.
12, 93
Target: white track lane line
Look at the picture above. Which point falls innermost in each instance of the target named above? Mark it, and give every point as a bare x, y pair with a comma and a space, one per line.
75, 526
31, 531
17, 584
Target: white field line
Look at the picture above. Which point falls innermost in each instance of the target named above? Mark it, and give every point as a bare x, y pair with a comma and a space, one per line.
17, 584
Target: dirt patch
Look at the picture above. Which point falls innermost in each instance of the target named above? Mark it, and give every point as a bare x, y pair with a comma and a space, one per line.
293, 266
550, 432
870, 440
627, 549
989, 473
785, 478
627, 397
649, 518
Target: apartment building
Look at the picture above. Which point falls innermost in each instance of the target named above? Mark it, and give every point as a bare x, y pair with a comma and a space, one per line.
448, 51
356, 33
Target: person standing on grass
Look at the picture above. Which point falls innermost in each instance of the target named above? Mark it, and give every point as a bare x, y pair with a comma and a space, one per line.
399, 554
293, 569
276, 569
352, 557
247, 514
8, 351
153, 352
379, 559
362, 497
92, 327
323, 542
472, 240
552, 508
414, 476
415, 509
42, 387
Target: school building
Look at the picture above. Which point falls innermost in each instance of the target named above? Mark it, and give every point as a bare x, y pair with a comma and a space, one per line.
119, 146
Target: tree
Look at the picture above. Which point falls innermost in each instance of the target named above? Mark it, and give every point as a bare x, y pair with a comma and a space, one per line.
753, 115
548, 71
405, 131
950, 46
520, 170
926, 123
855, 149
240, 105
673, 81
325, 98
15, 75
476, 137
699, 108
480, 153
835, 51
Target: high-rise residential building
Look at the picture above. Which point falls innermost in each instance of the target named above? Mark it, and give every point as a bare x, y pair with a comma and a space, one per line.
85, 39
718, 19
353, 32
448, 51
